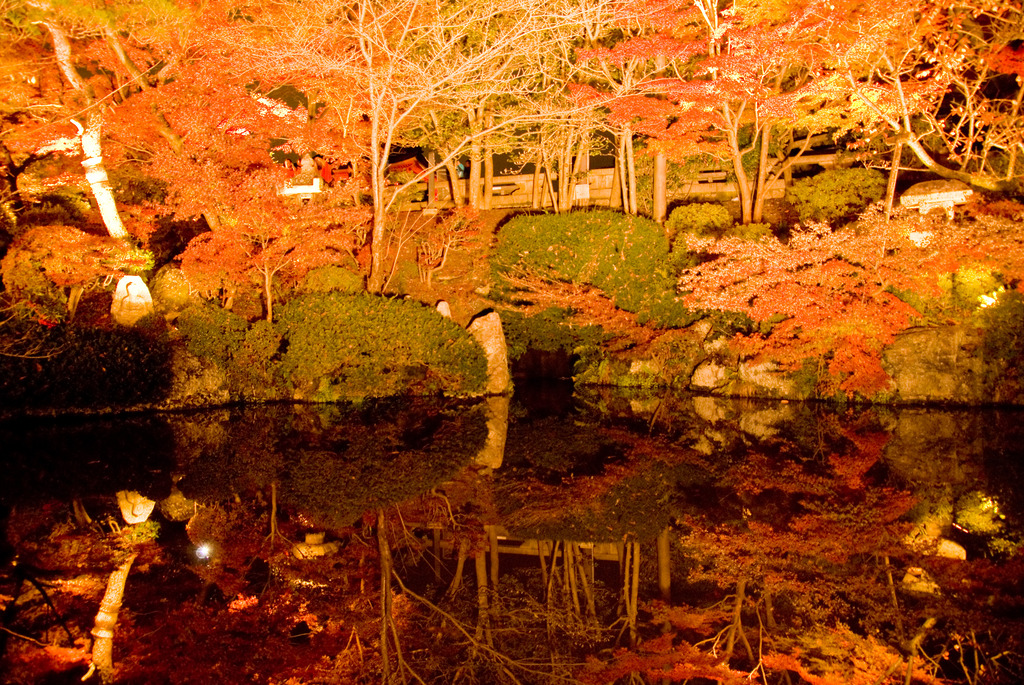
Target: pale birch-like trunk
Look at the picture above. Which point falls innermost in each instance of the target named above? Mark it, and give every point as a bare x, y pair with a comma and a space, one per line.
455, 183
615, 194
106, 620
665, 564
95, 171
631, 172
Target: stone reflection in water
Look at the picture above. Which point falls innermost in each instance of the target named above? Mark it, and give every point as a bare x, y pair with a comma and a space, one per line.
617, 538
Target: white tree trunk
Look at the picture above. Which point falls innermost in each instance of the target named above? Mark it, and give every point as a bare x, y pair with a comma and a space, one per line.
96, 175
106, 619
95, 172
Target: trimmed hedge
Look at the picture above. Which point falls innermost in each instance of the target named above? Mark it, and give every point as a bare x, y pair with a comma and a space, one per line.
627, 257
701, 218
365, 345
836, 194
331, 346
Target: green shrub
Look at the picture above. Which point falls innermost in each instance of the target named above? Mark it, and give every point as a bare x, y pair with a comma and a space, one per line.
64, 207
340, 345
622, 255
548, 331
1003, 323
836, 194
87, 368
600, 248
331, 278
625, 256
212, 332
752, 232
704, 219
965, 287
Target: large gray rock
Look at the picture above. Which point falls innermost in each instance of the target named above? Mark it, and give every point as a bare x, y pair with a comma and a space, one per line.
487, 331
492, 454
941, 364
769, 378
710, 375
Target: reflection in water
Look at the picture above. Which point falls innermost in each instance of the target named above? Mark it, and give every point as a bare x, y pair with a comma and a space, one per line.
603, 538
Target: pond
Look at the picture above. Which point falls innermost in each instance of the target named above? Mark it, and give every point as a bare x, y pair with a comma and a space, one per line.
561, 536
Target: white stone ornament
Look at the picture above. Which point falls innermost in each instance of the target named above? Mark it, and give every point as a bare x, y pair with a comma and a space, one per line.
132, 301
135, 508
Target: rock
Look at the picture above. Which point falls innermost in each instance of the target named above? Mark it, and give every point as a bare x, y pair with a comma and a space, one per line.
948, 549
765, 423
917, 581
487, 331
444, 309
710, 409
940, 364
767, 376
709, 375
135, 508
306, 550
177, 507
492, 454
132, 301
170, 290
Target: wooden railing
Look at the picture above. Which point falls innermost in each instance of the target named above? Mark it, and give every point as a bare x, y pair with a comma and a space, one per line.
517, 190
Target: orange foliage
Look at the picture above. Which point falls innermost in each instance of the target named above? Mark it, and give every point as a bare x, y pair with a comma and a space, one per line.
832, 295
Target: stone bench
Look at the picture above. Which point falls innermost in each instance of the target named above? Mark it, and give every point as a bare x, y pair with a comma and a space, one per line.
945, 194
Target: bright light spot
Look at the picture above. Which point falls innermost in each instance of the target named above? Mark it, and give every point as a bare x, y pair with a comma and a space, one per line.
203, 551
990, 299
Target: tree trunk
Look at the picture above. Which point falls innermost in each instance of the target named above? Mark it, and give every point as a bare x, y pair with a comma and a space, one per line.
460, 565
95, 171
762, 176
537, 196
1011, 165
386, 596
742, 180
894, 170
455, 183
106, 620
660, 187
483, 623
548, 192
664, 565
660, 174
565, 177
378, 161
631, 172
488, 161
615, 195
492, 542
983, 181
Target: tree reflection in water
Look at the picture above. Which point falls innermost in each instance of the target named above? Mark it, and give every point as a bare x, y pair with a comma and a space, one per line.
612, 539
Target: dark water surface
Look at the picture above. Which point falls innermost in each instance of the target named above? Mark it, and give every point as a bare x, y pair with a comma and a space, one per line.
563, 536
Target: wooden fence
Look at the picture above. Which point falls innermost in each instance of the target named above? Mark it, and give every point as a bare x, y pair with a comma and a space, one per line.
596, 191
